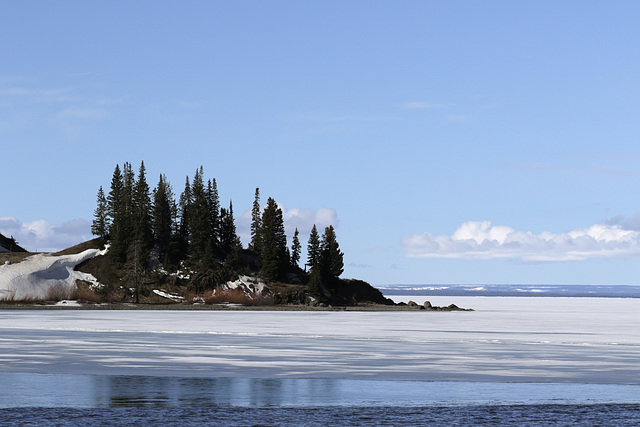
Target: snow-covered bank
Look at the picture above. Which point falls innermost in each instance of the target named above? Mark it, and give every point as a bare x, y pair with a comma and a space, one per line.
36, 275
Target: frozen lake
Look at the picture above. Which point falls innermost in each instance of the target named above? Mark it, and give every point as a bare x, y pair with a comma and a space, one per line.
569, 349
581, 340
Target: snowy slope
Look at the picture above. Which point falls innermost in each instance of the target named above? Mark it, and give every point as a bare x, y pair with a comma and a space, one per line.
36, 275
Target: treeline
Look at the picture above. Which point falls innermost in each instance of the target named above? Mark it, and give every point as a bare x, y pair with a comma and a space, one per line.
148, 228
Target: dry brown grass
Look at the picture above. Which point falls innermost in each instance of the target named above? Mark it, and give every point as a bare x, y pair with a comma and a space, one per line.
14, 257
84, 293
10, 297
59, 293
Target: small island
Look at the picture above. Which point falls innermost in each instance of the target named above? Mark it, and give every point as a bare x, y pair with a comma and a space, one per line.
152, 251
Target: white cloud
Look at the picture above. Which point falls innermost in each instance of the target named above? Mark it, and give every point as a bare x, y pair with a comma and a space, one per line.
43, 236
482, 240
304, 219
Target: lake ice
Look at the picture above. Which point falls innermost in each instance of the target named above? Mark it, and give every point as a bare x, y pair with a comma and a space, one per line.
534, 340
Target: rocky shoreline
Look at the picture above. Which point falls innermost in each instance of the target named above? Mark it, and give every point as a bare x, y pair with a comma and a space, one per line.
73, 305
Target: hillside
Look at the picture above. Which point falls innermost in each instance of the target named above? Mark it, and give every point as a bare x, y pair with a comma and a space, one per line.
9, 245
85, 273
218, 284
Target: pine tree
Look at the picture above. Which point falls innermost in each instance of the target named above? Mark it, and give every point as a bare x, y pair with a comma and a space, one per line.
274, 254
315, 284
142, 230
100, 225
331, 257
313, 248
213, 203
184, 204
256, 224
116, 211
199, 221
295, 249
163, 216
228, 235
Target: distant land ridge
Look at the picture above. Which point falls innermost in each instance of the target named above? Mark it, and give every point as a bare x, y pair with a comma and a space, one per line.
602, 291
10, 245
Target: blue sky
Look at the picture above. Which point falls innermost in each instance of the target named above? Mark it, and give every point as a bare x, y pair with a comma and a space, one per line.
447, 142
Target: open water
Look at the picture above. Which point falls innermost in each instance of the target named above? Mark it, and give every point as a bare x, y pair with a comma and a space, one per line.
521, 415
66, 400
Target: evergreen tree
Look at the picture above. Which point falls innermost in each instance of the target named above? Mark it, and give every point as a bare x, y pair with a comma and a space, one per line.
142, 230
199, 221
163, 216
274, 254
228, 235
331, 257
184, 204
115, 194
116, 210
315, 284
313, 248
100, 225
213, 203
256, 223
295, 249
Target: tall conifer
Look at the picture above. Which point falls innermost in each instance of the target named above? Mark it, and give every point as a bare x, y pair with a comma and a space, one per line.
295, 249
274, 254
142, 217
116, 211
213, 203
163, 216
313, 248
331, 257
100, 224
256, 223
199, 221
228, 235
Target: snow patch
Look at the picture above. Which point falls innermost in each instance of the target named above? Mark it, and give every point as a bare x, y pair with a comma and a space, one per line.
165, 294
37, 274
68, 303
249, 284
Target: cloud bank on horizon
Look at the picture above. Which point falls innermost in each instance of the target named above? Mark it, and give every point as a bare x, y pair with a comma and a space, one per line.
43, 236
482, 240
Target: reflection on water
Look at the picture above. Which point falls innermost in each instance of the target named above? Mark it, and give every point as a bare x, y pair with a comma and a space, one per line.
93, 391
171, 391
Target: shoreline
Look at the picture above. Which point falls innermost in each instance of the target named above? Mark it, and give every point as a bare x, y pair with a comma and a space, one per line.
219, 307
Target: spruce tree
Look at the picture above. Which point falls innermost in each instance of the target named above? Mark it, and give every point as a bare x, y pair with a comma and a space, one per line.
331, 257
295, 249
116, 211
213, 203
313, 248
274, 254
199, 221
315, 284
163, 217
184, 205
100, 224
141, 225
228, 235
256, 223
